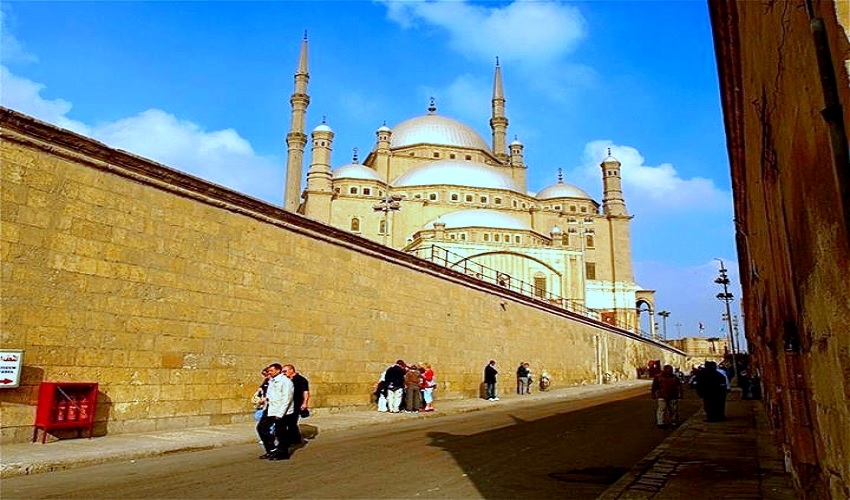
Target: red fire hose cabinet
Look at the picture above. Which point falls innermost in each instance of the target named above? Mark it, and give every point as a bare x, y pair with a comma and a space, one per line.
65, 405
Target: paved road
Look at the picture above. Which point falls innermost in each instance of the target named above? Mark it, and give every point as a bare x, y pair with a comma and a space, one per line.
566, 449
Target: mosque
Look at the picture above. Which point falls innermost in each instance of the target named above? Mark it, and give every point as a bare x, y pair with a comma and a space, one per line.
432, 186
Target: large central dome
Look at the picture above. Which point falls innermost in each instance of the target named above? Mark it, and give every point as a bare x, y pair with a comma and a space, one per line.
456, 173
435, 129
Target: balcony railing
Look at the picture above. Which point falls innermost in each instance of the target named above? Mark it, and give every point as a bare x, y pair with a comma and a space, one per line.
457, 262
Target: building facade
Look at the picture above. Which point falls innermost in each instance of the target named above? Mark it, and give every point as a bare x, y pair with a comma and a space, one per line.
783, 69
433, 186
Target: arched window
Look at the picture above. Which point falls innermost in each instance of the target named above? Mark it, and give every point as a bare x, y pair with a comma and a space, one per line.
589, 241
382, 227
355, 224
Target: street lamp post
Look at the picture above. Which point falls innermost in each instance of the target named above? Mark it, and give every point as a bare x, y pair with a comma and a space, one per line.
387, 204
664, 315
727, 297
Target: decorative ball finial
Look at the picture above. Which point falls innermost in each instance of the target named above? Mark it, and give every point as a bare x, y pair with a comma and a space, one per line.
433, 107
609, 151
560, 175
354, 159
497, 61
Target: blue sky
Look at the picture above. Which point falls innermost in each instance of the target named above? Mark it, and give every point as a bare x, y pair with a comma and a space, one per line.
204, 87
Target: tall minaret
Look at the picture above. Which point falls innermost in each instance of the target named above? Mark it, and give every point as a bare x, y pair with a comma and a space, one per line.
498, 122
296, 139
622, 276
612, 187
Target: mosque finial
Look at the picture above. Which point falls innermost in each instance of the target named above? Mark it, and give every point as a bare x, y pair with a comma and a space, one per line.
497, 61
324, 120
354, 158
305, 35
609, 151
433, 107
560, 175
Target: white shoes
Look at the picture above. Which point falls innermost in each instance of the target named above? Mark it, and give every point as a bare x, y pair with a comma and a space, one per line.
493, 399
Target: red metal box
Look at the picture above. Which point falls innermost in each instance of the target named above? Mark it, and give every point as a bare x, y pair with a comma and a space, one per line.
65, 405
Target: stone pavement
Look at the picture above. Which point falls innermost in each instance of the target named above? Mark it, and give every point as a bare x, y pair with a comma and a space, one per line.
733, 459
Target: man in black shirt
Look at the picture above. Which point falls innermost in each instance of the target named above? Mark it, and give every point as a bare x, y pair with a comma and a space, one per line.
300, 402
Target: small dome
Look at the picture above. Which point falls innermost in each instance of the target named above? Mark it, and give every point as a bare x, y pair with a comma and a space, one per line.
480, 217
456, 173
562, 190
555, 231
322, 128
438, 130
384, 128
609, 158
357, 171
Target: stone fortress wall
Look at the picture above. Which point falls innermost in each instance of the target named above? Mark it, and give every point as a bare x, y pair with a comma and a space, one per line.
172, 293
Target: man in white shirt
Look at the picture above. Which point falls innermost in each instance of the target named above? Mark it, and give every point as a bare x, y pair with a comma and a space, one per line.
279, 404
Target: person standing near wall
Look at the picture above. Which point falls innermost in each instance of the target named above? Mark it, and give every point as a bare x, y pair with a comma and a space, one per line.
429, 383
490, 373
521, 377
300, 402
394, 378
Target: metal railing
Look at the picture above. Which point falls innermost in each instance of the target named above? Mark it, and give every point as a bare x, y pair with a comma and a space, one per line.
457, 262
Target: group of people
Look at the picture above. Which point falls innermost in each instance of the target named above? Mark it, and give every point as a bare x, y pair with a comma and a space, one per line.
282, 398
711, 384
404, 387
524, 379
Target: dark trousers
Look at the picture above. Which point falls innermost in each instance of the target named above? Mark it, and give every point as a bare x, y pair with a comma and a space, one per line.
412, 398
293, 433
491, 389
715, 407
280, 435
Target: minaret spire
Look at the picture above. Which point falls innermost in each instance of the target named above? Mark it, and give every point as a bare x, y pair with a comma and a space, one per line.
498, 121
296, 139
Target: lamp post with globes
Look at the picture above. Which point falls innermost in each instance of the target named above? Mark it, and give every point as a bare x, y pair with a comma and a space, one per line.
387, 204
664, 315
727, 297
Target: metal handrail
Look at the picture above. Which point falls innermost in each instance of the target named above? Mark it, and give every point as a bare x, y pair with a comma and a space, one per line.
451, 260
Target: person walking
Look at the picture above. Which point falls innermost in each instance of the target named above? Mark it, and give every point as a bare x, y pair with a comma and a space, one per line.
712, 387
300, 403
490, 373
279, 398
667, 390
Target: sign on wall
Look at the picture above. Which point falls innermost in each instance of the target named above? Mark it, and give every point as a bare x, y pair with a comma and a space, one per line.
11, 361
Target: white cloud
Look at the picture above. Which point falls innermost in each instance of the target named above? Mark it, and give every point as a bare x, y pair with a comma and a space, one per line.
220, 156
13, 50
527, 32
655, 189
24, 95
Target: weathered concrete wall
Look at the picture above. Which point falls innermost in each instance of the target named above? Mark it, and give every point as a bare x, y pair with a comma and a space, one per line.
172, 293
791, 180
